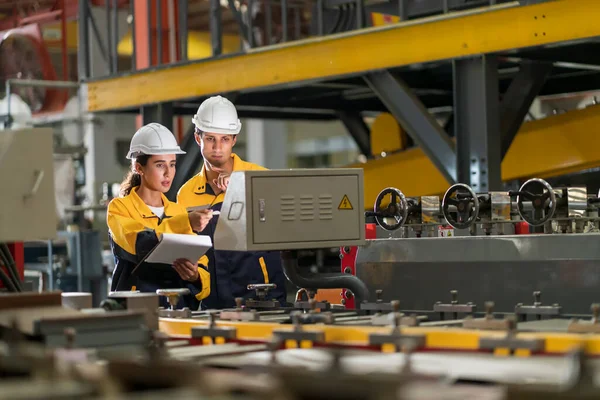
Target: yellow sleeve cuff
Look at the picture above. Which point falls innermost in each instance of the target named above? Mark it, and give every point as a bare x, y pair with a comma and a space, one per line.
205, 281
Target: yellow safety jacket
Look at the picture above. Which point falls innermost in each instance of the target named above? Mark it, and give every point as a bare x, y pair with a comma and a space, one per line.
232, 271
133, 233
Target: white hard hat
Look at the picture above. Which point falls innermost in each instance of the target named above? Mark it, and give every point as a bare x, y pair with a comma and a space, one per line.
151, 139
217, 115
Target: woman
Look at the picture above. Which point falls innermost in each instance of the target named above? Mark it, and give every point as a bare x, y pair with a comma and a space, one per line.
142, 213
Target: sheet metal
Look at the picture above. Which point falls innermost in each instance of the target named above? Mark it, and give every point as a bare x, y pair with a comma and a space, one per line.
503, 269
454, 35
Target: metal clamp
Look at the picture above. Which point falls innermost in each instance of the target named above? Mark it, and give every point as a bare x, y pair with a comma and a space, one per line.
396, 337
593, 326
212, 331
510, 341
537, 308
172, 296
454, 307
240, 313
261, 290
298, 334
379, 305
488, 322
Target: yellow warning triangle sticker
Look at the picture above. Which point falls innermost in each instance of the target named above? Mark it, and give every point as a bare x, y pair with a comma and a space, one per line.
345, 204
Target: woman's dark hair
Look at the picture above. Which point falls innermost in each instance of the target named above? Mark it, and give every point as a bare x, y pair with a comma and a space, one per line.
133, 179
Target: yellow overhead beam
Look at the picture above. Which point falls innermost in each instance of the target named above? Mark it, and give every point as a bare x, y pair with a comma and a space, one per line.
553, 146
489, 30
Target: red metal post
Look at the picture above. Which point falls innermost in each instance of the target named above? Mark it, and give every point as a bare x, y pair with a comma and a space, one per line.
63, 42
349, 264
17, 251
143, 47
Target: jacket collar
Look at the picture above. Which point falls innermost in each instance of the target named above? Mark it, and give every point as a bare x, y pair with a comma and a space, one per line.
143, 208
201, 181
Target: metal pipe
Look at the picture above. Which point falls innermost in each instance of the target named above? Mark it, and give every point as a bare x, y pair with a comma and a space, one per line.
359, 14
50, 266
216, 36
84, 42
251, 43
183, 28
320, 23
97, 35
41, 83
108, 36
133, 36
159, 55
115, 38
402, 10
284, 24
63, 40
289, 261
297, 27
149, 33
172, 31
268, 22
7, 91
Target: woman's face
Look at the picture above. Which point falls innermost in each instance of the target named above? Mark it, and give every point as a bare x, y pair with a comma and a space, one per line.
158, 173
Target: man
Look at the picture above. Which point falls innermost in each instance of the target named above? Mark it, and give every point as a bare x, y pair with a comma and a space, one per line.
216, 129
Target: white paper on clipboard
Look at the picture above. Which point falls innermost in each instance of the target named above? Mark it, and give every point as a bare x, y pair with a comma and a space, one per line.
172, 246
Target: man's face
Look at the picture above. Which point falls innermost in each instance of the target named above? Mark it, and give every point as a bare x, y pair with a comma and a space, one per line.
216, 148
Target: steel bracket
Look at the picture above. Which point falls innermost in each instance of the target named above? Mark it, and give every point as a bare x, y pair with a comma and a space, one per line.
416, 120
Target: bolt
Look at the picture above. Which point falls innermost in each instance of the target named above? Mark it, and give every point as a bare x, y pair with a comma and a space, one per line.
312, 302
454, 294
595, 312
70, 337
213, 319
489, 308
347, 270
238, 302
349, 294
347, 249
537, 295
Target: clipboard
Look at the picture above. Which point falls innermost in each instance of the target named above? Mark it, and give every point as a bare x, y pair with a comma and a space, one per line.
200, 208
172, 246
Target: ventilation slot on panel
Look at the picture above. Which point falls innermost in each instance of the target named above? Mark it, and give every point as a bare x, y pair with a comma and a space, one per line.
325, 206
307, 208
288, 208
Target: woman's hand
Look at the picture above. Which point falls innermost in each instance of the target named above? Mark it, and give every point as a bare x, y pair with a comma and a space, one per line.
187, 270
200, 219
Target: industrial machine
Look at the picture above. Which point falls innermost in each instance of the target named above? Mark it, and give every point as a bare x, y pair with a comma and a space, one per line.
481, 340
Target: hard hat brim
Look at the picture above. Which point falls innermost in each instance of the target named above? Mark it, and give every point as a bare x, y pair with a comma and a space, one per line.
136, 153
213, 129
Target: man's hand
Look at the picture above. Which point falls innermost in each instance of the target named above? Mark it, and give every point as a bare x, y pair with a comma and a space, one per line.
199, 219
222, 180
187, 270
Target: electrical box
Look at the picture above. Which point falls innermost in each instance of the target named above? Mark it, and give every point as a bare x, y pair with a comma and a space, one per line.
28, 211
292, 209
